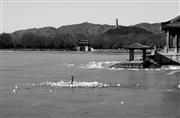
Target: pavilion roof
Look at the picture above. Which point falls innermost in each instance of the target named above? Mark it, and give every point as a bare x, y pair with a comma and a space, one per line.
176, 24
175, 19
85, 42
173, 23
137, 46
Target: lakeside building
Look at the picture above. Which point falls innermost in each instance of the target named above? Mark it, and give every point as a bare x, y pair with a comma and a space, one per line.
83, 45
172, 30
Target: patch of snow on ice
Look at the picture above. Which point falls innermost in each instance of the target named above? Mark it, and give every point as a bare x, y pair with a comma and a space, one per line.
67, 64
99, 65
171, 67
75, 84
81, 84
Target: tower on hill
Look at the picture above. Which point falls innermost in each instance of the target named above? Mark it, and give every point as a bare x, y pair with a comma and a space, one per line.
116, 22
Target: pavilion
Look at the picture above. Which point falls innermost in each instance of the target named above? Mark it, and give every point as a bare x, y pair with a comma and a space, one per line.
137, 46
83, 45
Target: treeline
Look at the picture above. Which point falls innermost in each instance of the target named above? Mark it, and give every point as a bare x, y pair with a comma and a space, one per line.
113, 39
33, 41
6, 41
119, 41
124, 36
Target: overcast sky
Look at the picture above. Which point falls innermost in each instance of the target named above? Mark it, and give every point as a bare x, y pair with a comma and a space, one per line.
26, 14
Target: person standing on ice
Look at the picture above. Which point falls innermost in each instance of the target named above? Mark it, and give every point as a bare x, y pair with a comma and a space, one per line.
72, 79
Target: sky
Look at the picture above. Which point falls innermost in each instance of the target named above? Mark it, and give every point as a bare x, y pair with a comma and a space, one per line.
24, 14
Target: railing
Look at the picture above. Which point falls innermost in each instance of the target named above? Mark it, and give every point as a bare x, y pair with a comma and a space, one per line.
174, 57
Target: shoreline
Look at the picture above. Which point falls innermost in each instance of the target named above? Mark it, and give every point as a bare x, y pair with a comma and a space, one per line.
97, 51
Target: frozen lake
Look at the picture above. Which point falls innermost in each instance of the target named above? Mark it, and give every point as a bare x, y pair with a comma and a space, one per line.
129, 93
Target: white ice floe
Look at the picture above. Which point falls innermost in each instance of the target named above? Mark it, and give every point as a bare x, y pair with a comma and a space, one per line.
116, 69
171, 67
93, 65
67, 64
107, 64
178, 86
16, 87
169, 90
118, 84
174, 67
75, 84
14, 90
99, 65
122, 102
137, 85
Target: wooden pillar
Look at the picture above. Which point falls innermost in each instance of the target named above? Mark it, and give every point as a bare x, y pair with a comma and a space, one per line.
131, 54
175, 41
167, 41
144, 54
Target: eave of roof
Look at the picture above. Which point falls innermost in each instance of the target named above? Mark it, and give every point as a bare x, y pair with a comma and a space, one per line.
137, 46
176, 24
173, 23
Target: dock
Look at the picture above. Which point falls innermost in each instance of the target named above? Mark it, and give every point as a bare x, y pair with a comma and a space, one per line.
132, 64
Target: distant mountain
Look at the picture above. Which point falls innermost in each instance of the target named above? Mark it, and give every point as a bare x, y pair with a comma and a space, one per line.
88, 29
45, 31
100, 36
155, 27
